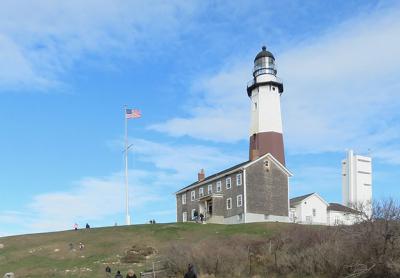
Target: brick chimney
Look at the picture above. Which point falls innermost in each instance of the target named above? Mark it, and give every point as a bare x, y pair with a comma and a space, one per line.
201, 175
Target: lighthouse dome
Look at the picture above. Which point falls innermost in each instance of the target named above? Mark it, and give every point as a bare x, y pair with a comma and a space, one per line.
264, 63
264, 53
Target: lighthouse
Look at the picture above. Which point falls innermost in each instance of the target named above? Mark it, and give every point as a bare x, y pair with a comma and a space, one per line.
264, 91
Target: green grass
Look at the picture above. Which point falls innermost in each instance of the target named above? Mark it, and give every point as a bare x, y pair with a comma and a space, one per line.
36, 255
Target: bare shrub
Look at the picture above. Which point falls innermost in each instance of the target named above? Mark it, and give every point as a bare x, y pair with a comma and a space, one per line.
370, 248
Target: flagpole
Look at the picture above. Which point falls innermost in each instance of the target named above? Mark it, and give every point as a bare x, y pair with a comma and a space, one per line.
127, 217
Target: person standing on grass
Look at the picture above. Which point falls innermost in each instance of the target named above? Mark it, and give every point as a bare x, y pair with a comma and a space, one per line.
75, 226
108, 271
190, 273
118, 275
131, 274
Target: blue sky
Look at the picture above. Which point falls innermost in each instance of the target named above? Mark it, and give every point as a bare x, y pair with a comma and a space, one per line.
67, 68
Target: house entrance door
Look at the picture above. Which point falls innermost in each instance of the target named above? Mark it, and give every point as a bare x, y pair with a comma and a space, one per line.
209, 207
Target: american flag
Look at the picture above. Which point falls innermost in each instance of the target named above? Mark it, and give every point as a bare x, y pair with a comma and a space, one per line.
132, 113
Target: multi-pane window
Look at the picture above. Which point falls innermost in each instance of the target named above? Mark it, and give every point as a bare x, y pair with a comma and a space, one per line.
209, 189
314, 212
201, 192
229, 203
239, 179
184, 216
219, 186
184, 198
228, 183
193, 195
239, 200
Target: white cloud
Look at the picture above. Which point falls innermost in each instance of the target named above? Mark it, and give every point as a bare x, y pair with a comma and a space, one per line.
41, 39
90, 199
341, 91
95, 199
220, 112
186, 159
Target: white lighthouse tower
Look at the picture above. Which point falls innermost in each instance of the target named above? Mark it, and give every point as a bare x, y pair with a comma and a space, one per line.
266, 122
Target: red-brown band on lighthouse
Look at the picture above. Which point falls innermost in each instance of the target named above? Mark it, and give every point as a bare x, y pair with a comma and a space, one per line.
267, 142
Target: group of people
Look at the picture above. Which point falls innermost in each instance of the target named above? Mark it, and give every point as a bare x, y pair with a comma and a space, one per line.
130, 274
198, 217
152, 221
76, 226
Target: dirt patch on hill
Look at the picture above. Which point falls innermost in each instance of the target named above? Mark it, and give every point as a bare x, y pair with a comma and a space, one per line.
138, 253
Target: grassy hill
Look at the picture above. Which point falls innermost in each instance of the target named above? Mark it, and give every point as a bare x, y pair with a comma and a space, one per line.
50, 254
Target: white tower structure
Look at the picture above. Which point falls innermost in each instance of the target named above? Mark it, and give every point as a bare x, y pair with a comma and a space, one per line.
357, 181
266, 122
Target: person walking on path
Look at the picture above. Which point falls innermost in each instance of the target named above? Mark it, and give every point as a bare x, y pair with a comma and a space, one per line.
190, 273
118, 275
108, 271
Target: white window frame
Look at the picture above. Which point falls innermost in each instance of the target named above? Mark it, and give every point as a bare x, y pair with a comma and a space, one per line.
229, 203
193, 195
184, 198
184, 216
219, 186
192, 214
239, 179
230, 183
209, 189
201, 192
314, 212
239, 197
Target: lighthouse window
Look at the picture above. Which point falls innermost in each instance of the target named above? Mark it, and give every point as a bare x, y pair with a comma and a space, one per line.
273, 88
255, 105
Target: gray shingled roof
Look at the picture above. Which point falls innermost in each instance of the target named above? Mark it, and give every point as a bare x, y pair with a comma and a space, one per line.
339, 207
217, 174
296, 200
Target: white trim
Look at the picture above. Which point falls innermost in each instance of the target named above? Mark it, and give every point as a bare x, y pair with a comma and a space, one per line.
193, 195
230, 183
239, 177
184, 219
208, 189
220, 186
211, 180
184, 198
241, 200
245, 196
274, 160
192, 214
201, 191
226, 203
326, 203
238, 169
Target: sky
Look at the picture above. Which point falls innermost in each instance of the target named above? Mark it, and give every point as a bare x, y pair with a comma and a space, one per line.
67, 68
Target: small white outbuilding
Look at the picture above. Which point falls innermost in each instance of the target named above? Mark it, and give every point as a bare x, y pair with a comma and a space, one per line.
309, 209
313, 209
